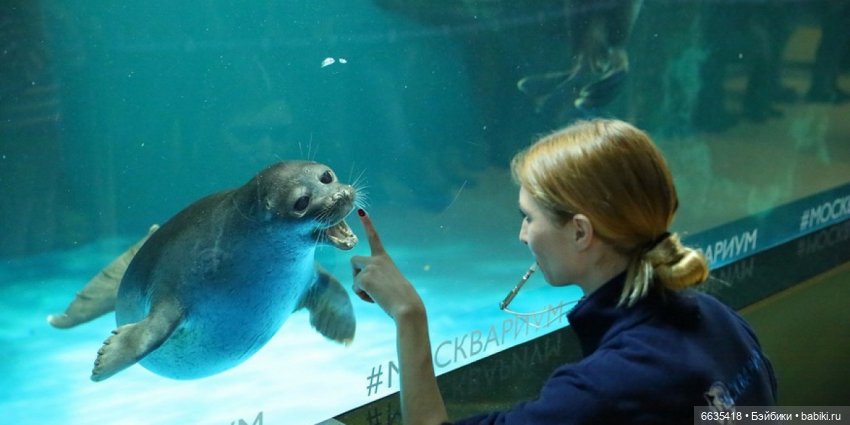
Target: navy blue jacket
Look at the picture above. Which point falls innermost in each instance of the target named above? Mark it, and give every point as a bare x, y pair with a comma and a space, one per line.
650, 363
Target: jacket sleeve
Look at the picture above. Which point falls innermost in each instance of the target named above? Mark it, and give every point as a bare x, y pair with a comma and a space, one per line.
570, 396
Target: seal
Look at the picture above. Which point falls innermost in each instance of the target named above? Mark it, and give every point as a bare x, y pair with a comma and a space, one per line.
598, 35
210, 287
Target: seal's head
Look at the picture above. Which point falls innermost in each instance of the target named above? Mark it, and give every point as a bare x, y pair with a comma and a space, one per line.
307, 195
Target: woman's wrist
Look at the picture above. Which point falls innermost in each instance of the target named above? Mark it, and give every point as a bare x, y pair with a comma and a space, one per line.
410, 312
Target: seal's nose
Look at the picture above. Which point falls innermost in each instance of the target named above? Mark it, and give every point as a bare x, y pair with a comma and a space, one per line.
344, 194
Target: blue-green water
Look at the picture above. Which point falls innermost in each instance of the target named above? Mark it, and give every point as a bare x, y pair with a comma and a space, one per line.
298, 377
116, 116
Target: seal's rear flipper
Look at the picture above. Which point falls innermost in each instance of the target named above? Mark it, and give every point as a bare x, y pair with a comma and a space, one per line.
132, 342
98, 296
330, 308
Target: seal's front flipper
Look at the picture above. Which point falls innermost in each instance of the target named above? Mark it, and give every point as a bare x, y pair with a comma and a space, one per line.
131, 342
98, 296
601, 92
330, 308
541, 87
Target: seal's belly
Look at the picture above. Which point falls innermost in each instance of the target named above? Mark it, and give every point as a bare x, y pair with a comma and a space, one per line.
205, 344
228, 317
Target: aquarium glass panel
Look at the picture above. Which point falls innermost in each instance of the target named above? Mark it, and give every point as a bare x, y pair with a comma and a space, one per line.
117, 116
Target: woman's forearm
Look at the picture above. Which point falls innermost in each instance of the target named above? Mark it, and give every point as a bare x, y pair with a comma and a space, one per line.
376, 278
421, 402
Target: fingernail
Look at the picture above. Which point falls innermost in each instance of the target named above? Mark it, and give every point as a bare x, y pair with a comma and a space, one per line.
361, 212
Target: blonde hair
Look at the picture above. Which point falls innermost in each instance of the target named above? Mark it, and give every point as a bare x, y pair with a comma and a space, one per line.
611, 172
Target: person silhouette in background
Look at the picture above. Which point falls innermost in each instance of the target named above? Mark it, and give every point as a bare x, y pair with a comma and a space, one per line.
835, 38
597, 200
752, 38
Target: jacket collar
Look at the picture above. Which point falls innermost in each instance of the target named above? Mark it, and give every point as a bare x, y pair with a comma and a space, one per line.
598, 314
598, 317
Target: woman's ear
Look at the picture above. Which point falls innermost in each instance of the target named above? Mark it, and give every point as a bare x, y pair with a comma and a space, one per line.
583, 231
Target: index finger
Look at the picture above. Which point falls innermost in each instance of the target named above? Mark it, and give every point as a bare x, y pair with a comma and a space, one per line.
371, 234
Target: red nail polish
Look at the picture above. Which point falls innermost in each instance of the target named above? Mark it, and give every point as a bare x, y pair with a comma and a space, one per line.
361, 212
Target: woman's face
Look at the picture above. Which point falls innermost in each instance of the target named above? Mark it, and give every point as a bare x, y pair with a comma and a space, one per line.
549, 242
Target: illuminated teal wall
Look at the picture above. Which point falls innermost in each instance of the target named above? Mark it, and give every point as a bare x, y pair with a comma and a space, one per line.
116, 116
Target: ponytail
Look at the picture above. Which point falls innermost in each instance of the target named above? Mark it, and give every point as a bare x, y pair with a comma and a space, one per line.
667, 262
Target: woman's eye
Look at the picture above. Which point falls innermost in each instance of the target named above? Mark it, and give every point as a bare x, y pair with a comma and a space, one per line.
302, 203
327, 177
524, 216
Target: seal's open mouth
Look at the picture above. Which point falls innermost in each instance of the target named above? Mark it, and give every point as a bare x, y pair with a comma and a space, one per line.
341, 236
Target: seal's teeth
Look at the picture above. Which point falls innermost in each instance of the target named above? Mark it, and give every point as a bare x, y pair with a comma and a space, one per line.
341, 236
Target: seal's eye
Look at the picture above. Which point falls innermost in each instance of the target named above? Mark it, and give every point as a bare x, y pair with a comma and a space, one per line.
326, 177
302, 203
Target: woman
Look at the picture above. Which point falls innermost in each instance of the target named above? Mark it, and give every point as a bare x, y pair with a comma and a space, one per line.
598, 199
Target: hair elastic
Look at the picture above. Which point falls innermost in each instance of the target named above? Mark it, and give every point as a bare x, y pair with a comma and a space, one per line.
659, 239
